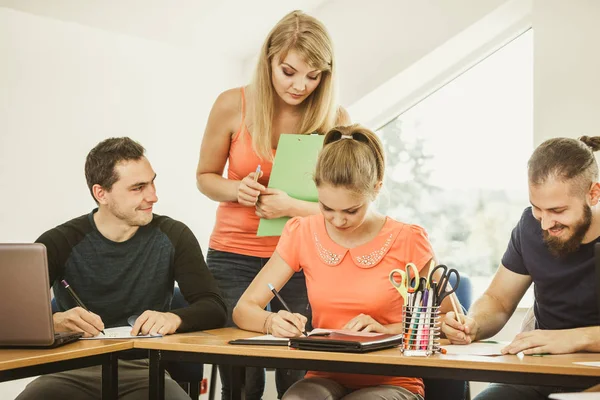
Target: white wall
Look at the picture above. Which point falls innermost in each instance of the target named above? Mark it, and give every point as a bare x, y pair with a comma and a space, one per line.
64, 87
566, 68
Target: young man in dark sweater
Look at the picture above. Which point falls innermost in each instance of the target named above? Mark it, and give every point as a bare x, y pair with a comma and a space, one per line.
552, 247
122, 260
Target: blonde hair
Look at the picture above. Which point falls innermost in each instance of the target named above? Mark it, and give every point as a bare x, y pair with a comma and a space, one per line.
352, 157
307, 36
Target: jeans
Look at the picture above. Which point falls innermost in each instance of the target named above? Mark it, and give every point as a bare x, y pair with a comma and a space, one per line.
234, 273
500, 391
327, 389
86, 384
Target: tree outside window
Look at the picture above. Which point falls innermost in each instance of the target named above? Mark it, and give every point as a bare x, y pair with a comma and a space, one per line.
457, 161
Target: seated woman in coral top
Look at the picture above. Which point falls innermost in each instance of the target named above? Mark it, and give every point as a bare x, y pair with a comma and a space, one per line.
346, 253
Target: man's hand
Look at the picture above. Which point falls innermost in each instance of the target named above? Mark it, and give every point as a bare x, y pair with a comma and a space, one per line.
273, 203
154, 322
539, 341
463, 332
286, 324
78, 320
365, 323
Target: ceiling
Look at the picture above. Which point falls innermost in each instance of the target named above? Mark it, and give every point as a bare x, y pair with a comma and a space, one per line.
374, 40
234, 27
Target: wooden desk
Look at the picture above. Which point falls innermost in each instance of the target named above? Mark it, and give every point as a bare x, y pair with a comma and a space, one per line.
22, 363
548, 370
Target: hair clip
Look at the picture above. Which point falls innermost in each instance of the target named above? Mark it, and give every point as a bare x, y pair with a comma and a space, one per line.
347, 137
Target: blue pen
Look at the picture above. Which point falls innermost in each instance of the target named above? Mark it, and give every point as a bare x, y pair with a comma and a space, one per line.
282, 302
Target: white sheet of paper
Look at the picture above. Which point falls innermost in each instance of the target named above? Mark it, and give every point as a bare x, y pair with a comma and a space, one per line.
119, 332
476, 349
575, 396
588, 363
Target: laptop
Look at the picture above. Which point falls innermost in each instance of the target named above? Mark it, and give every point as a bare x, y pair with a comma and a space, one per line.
25, 311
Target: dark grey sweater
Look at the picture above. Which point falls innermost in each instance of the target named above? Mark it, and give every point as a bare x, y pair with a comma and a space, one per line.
117, 280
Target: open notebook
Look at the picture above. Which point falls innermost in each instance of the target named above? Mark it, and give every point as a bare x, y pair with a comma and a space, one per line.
121, 332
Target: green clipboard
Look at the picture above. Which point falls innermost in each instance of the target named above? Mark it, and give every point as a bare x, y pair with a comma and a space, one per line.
292, 172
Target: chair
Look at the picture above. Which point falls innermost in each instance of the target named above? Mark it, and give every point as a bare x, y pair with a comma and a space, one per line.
441, 389
188, 375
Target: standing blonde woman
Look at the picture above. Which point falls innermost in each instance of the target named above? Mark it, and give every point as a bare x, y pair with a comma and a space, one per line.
293, 91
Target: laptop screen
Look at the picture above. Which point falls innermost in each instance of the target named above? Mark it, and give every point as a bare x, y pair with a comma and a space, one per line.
25, 313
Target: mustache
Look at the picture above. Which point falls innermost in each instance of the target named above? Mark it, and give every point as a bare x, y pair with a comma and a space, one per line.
558, 226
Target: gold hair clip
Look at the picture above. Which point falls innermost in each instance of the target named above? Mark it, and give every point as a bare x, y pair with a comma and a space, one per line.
347, 137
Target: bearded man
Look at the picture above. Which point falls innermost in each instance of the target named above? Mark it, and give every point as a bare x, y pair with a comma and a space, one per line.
552, 247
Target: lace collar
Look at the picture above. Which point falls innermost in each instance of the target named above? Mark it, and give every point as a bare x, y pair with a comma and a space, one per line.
367, 255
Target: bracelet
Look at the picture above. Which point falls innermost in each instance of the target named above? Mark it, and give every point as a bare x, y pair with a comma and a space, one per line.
266, 323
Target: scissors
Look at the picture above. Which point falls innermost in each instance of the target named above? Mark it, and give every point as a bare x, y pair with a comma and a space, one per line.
441, 291
409, 280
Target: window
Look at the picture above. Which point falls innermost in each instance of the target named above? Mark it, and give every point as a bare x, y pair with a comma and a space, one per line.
457, 161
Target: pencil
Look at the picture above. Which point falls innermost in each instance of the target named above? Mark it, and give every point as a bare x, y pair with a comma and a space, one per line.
455, 308
283, 302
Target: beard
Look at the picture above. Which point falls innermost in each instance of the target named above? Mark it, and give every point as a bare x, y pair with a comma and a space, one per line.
561, 248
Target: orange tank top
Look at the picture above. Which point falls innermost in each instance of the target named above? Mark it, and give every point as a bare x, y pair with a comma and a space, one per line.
236, 225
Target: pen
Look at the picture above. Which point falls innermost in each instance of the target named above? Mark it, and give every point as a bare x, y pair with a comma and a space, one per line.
257, 173
76, 298
283, 302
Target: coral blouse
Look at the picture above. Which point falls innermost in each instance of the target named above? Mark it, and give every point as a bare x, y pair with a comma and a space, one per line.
343, 283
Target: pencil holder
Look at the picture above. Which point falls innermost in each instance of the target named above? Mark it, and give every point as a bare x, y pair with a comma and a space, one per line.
421, 330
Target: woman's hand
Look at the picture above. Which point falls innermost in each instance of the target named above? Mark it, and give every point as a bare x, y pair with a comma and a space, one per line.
273, 203
286, 324
249, 190
365, 323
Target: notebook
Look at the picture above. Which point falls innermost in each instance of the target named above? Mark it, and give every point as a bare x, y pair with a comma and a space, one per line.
270, 340
292, 172
25, 311
122, 332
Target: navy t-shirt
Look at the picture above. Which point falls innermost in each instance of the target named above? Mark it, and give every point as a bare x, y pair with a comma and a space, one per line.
565, 288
